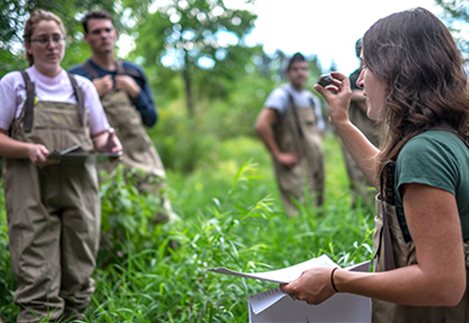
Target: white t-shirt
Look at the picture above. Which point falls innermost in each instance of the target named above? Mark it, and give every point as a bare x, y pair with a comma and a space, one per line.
279, 101
57, 89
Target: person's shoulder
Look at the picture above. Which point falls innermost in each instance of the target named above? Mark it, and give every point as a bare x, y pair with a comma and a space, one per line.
133, 68
432, 143
309, 94
280, 91
79, 70
76, 68
11, 77
82, 81
434, 137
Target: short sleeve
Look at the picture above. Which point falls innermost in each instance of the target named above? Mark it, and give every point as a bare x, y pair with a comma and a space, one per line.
277, 100
429, 161
11, 98
97, 117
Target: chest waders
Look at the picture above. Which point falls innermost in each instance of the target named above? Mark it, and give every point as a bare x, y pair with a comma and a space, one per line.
139, 151
360, 187
53, 211
392, 251
297, 133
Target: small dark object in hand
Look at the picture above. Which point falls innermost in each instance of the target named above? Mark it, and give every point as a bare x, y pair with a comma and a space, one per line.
325, 80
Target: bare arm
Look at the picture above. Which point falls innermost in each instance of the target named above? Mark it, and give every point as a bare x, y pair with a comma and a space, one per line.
11, 148
264, 123
107, 141
438, 278
360, 148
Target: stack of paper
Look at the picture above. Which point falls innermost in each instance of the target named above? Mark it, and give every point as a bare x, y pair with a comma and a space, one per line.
275, 306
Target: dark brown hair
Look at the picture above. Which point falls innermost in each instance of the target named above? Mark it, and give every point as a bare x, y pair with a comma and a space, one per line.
297, 57
413, 53
36, 17
98, 14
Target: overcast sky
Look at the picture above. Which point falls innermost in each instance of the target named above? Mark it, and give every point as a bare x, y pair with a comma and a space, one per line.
326, 28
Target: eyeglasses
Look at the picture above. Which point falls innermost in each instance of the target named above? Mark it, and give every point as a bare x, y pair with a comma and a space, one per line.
44, 40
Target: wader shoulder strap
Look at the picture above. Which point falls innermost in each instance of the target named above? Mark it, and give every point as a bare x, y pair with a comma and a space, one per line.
120, 69
313, 107
29, 103
80, 98
90, 70
296, 117
387, 194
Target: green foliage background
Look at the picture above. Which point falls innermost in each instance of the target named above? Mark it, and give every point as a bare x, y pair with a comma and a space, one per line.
220, 178
231, 216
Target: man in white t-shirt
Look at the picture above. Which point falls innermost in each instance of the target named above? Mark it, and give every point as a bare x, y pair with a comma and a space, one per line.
291, 126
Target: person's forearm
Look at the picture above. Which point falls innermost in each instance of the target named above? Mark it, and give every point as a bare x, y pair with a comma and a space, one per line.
11, 148
408, 286
360, 148
146, 108
267, 135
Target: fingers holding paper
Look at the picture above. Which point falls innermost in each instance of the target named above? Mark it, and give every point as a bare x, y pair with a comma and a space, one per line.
313, 286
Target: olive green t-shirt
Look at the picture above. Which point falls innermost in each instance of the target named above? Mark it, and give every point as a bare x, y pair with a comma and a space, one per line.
439, 159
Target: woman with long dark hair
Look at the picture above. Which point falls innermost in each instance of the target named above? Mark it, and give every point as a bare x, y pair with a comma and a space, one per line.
416, 87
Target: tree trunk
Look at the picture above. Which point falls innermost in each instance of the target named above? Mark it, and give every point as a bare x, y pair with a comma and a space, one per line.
186, 75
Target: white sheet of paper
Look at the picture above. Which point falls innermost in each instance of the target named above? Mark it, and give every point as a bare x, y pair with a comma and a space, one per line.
341, 308
283, 275
274, 306
264, 300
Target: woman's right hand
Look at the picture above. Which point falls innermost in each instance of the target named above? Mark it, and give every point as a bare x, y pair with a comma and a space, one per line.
37, 154
337, 96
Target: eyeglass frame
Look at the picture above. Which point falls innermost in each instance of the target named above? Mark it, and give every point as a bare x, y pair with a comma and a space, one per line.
44, 40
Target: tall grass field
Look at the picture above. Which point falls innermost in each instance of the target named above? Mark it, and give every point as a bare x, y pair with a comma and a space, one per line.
230, 215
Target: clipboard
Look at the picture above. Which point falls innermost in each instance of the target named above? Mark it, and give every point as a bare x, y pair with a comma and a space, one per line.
74, 154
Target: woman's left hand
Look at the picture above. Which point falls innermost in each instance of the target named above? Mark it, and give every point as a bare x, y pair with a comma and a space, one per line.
108, 142
313, 286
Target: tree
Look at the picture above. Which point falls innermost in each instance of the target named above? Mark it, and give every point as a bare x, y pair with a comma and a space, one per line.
14, 14
195, 37
457, 17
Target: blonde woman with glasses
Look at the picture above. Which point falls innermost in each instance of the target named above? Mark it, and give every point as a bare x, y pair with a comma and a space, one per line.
53, 206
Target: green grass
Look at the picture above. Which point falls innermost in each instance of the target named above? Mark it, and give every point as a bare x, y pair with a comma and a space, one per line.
230, 216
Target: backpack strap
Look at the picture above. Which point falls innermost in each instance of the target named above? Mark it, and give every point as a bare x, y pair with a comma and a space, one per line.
79, 96
29, 103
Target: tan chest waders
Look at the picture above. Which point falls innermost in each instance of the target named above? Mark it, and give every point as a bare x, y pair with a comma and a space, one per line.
53, 211
393, 251
297, 133
139, 150
361, 188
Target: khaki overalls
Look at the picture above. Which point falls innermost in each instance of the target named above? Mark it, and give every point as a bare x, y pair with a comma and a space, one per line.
360, 186
53, 211
297, 133
139, 151
392, 251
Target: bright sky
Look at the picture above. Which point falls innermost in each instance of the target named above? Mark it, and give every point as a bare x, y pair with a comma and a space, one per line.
326, 28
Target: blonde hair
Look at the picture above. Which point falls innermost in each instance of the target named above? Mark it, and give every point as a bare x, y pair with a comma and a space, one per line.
36, 17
